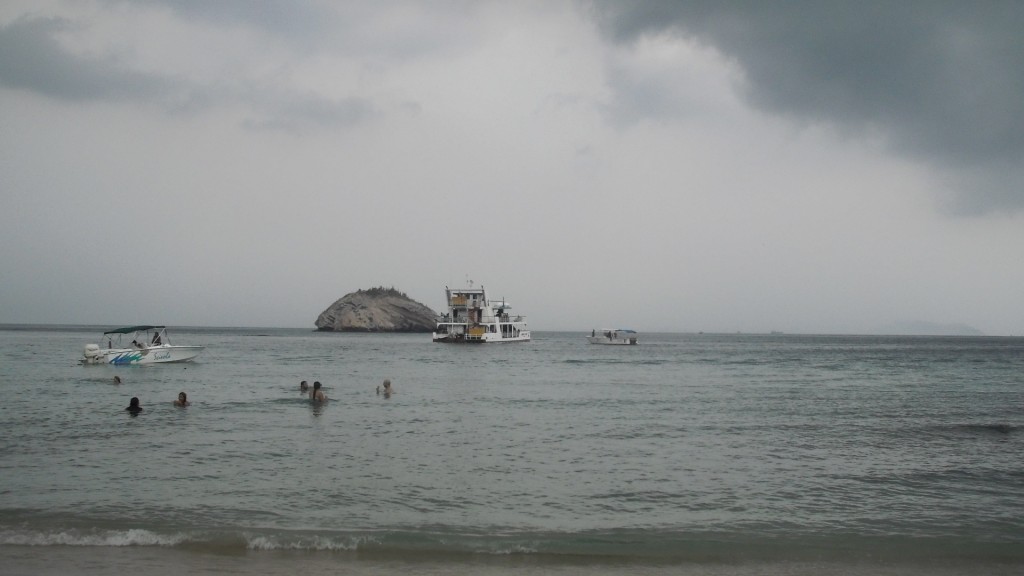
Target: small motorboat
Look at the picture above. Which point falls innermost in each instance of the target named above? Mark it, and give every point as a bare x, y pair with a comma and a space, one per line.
613, 336
147, 345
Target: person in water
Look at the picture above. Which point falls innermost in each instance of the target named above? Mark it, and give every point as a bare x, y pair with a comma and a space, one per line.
316, 394
182, 400
388, 390
133, 406
117, 379
303, 387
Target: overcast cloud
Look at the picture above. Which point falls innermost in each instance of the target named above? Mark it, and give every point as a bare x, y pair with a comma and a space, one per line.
941, 82
667, 166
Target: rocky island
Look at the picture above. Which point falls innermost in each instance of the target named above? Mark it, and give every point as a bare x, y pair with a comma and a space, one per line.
377, 310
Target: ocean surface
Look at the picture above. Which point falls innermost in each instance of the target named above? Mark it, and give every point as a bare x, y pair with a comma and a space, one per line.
687, 454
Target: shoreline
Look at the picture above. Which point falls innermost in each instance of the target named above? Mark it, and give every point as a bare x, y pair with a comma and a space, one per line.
170, 561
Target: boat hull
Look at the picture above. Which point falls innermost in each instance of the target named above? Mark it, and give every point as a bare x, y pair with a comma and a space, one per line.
614, 337
485, 339
165, 354
457, 334
606, 342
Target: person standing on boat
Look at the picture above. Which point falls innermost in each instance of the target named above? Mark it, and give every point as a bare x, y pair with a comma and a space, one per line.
156, 338
316, 394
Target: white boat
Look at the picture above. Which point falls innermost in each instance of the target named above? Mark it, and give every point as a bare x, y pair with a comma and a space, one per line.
613, 336
147, 345
473, 318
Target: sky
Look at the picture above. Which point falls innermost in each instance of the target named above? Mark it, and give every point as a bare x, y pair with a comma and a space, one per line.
667, 166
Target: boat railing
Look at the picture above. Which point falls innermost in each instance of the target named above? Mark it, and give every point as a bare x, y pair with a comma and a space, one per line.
485, 319
514, 318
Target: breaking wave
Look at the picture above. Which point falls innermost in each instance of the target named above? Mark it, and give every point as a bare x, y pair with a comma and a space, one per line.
75, 537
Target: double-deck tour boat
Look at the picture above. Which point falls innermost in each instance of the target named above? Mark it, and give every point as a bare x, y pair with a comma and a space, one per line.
149, 345
473, 318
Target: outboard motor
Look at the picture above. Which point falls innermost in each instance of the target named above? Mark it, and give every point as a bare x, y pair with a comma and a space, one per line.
93, 354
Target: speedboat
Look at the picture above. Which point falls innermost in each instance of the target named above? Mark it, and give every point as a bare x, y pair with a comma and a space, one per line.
147, 345
473, 318
613, 336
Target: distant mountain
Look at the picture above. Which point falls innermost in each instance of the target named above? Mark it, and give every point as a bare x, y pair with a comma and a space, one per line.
377, 310
922, 328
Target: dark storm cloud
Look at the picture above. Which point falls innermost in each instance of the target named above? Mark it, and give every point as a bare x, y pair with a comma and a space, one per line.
33, 60
942, 80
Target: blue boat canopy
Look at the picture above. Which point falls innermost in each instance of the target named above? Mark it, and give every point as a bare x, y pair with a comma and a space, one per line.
130, 329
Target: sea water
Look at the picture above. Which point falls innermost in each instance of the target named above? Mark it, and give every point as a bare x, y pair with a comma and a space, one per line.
686, 454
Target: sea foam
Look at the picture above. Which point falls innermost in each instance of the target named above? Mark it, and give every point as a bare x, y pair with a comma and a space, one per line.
130, 537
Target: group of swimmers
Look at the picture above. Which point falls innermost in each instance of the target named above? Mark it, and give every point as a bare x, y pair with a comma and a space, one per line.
134, 407
316, 394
